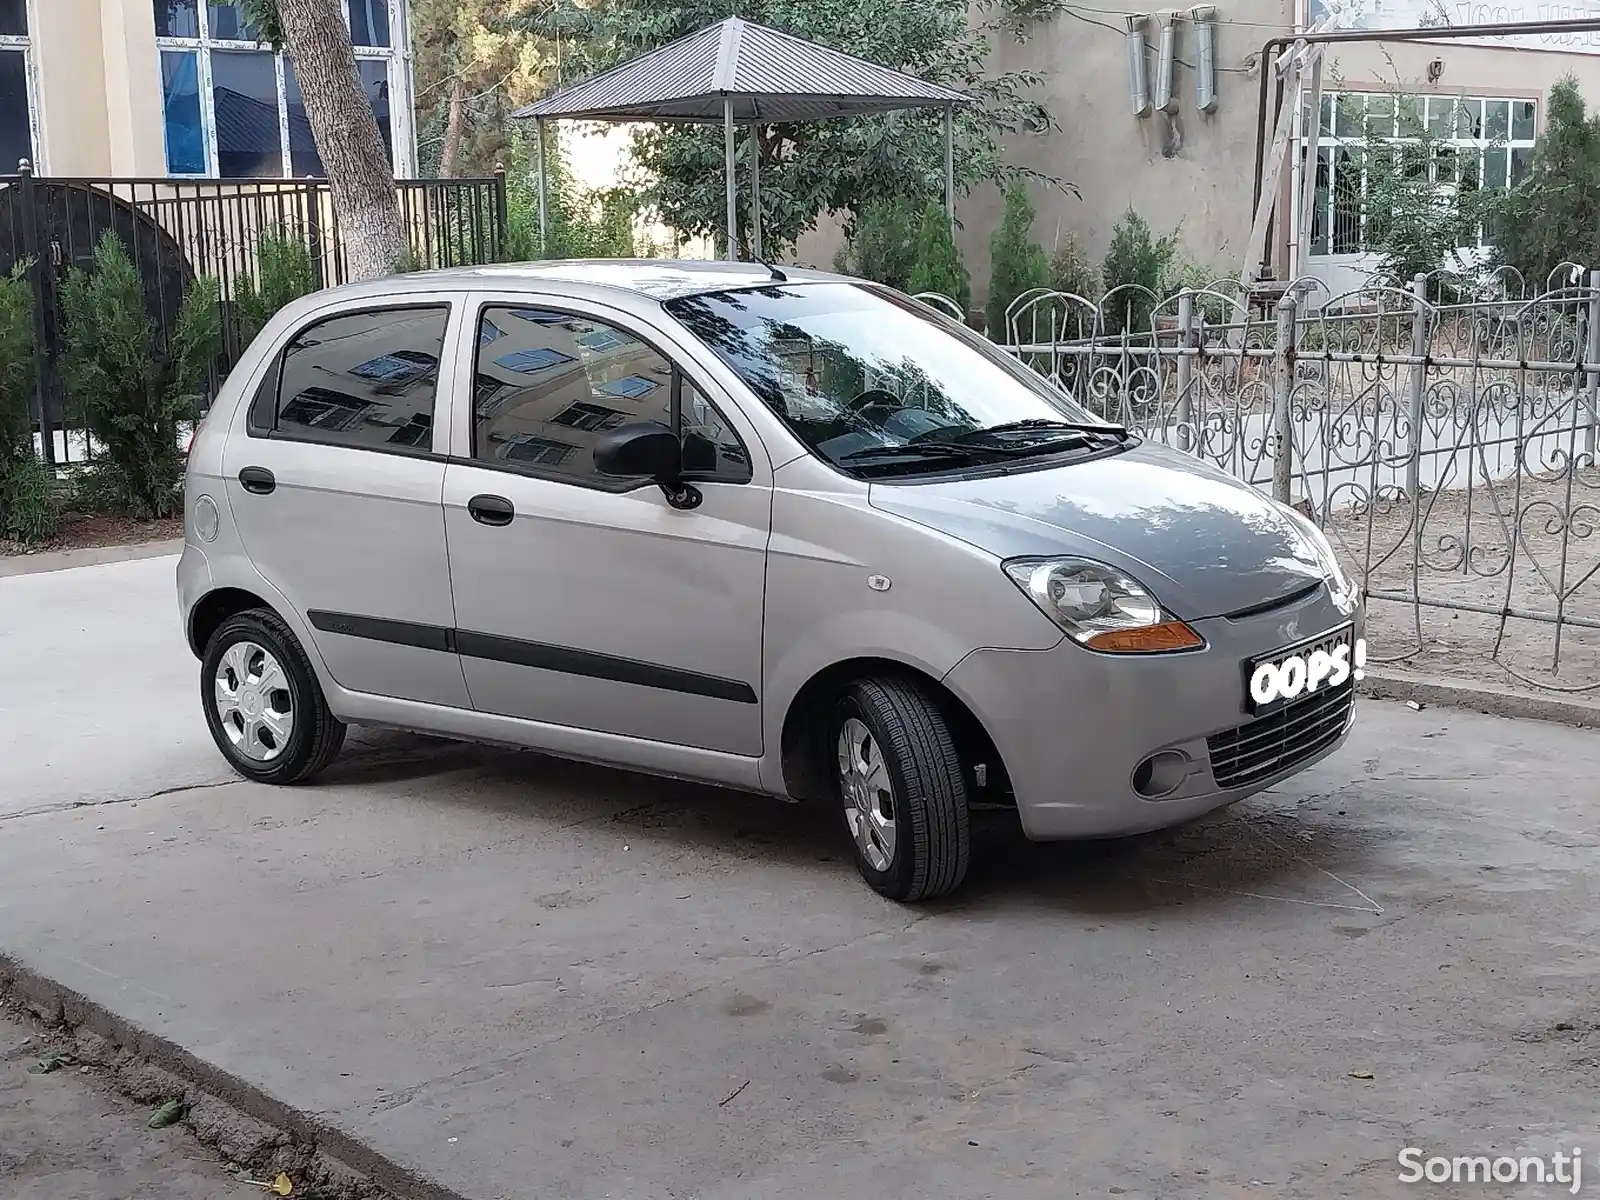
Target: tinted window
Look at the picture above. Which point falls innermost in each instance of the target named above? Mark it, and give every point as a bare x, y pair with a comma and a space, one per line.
375, 86
367, 379
177, 18
303, 157
228, 22
13, 18
548, 383
369, 22
244, 90
16, 139
180, 101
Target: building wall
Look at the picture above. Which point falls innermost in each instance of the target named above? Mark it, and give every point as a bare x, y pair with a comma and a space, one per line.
1192, 171
96, 81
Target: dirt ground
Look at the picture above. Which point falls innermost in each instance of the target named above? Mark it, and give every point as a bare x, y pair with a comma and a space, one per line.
1507, 564
81, 531
63, 1136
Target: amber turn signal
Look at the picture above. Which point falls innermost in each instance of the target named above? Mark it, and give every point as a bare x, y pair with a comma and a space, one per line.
1148, 639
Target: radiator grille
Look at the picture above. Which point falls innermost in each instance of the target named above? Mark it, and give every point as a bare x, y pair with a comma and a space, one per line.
1271, 744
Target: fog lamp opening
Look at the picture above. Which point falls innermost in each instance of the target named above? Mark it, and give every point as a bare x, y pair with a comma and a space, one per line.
1161, 774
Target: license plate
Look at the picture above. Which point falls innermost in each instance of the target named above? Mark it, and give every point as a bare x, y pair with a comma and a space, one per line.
1318, 664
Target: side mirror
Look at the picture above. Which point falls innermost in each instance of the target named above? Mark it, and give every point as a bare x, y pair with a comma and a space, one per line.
646, 448
651, 450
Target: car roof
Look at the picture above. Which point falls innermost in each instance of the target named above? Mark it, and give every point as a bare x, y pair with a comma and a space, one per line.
657, 279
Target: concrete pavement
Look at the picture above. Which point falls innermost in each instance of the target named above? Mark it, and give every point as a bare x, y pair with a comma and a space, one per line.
522, 978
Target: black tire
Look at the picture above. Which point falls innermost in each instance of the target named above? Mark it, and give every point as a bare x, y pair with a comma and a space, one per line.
316, 735
933, 842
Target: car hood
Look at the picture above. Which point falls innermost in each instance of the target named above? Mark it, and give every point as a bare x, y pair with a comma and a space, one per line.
1203, 542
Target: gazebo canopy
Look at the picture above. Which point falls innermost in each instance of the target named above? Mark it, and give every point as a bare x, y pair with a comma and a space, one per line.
739, 73
770, 78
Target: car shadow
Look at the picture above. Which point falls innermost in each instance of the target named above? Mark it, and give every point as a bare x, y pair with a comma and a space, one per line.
1280, 845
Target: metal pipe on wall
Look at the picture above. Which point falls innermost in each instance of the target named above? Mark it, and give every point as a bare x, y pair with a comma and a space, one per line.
1138, 77
1205, 57
1166, 99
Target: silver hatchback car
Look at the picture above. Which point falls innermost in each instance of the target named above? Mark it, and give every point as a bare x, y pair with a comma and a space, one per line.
766, 528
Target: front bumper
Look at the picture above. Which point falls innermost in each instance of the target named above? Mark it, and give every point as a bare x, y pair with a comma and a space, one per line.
1071, 726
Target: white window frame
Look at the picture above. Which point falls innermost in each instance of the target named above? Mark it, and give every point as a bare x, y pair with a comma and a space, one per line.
396, 55
1329, 141
30, 73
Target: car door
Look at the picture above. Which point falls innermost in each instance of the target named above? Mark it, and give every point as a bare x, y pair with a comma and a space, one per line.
335, 485
587, 601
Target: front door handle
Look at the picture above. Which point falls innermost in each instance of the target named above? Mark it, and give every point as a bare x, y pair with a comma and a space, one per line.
491, 510
258, 480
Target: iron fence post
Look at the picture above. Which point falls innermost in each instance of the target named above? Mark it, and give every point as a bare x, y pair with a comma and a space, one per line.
501, 233
37, 267
1282, 386
1419, 380
1185, 367
1591, 356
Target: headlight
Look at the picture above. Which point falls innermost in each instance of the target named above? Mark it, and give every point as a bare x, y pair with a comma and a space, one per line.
1100, 607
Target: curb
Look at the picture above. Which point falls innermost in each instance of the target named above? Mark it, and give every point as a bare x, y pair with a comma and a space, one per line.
60, 1005
94, 556
1444, 692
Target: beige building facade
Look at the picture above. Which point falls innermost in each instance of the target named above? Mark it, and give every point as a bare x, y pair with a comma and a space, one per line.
1192, 170
178, 88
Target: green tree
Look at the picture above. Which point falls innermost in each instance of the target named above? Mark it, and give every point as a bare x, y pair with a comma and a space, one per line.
472, 70
27, 489
1423, 202
1553, 214
1072, 271
1136, 257
131, 387
1017, 262
284, 272
579, 223
316, 36
937, 260
816, 167
882, 247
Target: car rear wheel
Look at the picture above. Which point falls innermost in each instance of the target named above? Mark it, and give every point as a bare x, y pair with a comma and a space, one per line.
901, 789
263, 704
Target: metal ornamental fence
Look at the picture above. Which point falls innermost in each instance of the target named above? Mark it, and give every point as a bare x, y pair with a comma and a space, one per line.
178, 229
1444, 437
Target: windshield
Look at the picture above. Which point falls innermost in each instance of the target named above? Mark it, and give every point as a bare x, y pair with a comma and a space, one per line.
877, 383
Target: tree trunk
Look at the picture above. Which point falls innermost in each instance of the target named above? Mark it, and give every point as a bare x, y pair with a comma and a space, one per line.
347, 136
453, 128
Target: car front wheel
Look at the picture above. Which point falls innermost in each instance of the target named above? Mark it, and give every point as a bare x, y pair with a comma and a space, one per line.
901, 788
263, 704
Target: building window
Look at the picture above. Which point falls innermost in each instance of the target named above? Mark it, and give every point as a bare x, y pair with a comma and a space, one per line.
233, 107
16, 88
1477, 142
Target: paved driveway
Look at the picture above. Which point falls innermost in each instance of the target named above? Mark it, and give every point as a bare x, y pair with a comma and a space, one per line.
524, 978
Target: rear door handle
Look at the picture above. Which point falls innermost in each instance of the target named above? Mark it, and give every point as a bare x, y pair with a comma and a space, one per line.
491, 510
258, 480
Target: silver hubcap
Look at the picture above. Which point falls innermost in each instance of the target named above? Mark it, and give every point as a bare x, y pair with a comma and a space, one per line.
253, 702
868, 794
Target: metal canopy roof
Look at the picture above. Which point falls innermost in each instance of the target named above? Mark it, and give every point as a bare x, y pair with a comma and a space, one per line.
770, 77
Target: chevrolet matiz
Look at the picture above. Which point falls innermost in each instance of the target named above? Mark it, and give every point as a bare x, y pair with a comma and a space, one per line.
761, 527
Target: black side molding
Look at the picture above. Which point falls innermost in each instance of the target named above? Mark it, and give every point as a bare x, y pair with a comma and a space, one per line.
376, 629
600, 666
537, 655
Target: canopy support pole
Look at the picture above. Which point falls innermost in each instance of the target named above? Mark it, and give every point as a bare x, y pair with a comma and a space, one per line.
950, 165
755, 192
544, 214
730, 171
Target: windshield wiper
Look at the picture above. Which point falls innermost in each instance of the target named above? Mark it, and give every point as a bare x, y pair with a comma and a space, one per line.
972, 453
1042, 424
